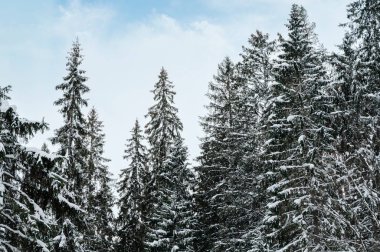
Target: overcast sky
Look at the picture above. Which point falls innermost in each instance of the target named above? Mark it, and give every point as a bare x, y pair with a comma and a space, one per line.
125, 43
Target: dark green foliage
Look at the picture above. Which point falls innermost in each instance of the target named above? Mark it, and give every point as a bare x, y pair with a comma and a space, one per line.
71, 135
23, 221
218, 163
131, 223
297, 140
166, 190
71, 140
173, 219
355, 91
98, 189
182, 182
164, 124
256, 73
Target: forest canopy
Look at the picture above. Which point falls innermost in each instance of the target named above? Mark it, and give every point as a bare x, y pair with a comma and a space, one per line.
289, 160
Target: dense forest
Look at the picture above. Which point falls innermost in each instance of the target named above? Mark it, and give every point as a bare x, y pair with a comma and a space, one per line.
289, 161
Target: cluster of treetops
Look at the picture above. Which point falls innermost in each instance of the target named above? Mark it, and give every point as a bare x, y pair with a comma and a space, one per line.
289, 159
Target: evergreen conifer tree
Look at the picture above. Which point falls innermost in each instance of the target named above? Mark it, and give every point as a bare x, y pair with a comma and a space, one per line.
164, 124
296, 140
71, 140
43, 184
220, 160
347, 139
355, 90
131, 223
24, 223
255, 71
99, 193
182, 207
163, 129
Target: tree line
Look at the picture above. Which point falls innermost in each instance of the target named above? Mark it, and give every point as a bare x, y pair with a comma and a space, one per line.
289, 159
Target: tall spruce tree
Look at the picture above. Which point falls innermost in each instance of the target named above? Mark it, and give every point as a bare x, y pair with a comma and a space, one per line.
43, 184
219, 161
347, 138
356, 89
182, 205
164, 125
255, 71
24, 219
99, 194
71, 140
296, 139
131, 223
365, 22
163, 129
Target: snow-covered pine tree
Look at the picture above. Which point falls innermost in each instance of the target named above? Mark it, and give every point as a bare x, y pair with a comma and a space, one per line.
255, 71
164, 124
131, 222
365, 23
296, 140
23, 222
99, 194
43, 184
256, 66
217, 195
357, 123
182, 186
44, 196
347, 139
71, 140
162, 129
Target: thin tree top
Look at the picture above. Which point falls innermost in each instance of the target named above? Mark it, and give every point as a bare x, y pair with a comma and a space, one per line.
164, 122
301, 33
73, 86
135, 148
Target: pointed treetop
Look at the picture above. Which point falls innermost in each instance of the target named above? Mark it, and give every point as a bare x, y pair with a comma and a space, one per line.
164, 123
73, 86
134, 146
93, 114
301, 32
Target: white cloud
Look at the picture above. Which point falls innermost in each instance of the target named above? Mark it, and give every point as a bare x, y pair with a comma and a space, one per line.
81, 19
